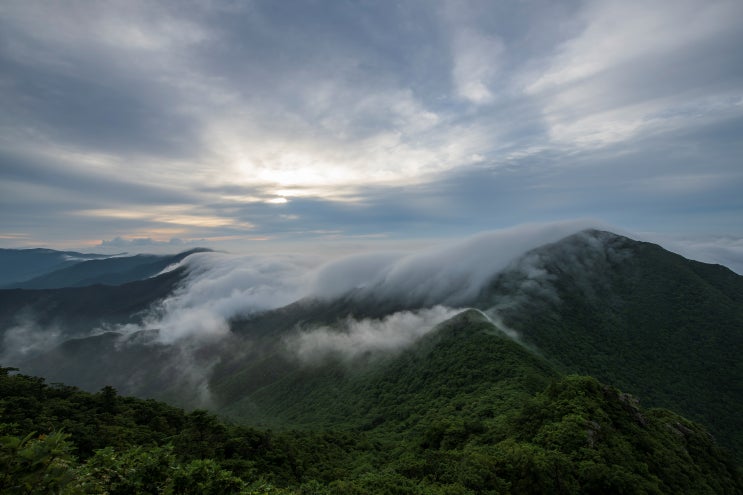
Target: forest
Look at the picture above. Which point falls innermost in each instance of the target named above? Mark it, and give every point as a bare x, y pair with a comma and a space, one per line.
613, 370
575, 436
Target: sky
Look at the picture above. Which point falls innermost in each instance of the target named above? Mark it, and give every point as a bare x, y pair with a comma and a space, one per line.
268, 125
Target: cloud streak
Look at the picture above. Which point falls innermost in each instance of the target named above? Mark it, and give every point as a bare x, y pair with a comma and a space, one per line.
355, 338
28, 338
356, 119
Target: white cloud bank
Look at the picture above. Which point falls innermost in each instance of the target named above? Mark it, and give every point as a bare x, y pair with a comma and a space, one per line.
355, 338
448, 274
221, 287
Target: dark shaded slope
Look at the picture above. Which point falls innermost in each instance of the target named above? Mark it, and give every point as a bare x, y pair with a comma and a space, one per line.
110, 271
18, 265
83, 308
62, 321
133, 364
635, 315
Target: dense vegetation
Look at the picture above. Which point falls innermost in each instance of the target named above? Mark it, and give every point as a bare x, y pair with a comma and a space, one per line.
651, 322
466, 409
433, 422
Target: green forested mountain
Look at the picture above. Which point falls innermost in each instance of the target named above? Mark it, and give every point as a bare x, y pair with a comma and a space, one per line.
465, 365
497, 399
632, 314
467, 411
651, 322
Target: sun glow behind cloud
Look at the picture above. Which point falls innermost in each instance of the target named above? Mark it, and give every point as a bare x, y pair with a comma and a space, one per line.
166, 215
406, 120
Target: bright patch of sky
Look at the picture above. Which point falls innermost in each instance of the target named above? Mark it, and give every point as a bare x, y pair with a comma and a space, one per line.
241, 124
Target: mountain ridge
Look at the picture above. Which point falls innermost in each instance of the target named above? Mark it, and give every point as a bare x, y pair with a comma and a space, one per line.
18, 265
593, 303
112, 270
654, 324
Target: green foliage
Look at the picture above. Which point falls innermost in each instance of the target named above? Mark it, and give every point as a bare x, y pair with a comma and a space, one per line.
465, 369
137, 470
204, 477
35, 464
468, 411
635, 315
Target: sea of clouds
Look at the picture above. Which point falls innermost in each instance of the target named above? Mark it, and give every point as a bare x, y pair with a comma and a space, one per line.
431, 285
220, 287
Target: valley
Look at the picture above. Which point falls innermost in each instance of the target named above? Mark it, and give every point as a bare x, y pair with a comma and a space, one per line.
459, 389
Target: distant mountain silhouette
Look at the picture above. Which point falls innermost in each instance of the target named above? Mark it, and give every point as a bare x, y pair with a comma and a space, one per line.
19, 265
108, 271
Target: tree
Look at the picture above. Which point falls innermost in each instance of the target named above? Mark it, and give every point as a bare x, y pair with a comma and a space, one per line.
31, 465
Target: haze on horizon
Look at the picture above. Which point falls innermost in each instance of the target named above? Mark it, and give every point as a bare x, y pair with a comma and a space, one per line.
144, 126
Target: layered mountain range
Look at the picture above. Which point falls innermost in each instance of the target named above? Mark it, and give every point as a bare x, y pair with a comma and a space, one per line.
442, 367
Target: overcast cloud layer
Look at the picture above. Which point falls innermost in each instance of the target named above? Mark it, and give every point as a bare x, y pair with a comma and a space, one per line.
147, 125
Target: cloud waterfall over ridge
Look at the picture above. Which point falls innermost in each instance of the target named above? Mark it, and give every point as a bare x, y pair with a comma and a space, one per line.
449, 274
221, 287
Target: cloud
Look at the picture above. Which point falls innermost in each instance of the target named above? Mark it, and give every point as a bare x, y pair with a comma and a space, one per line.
632, 67
354, 338
360, 115
450, 274
145, 241
220, 287
27, 338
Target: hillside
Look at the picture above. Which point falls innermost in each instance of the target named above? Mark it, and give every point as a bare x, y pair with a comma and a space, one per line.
466, 411
631, 314
651, 322
465, 363
109, 271
78, 310
19, 265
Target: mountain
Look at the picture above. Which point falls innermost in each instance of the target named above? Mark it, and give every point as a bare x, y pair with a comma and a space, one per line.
466, 410
663, 328
465, 362
108, 271
18, 265
667, 329
651, 322
76, 311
